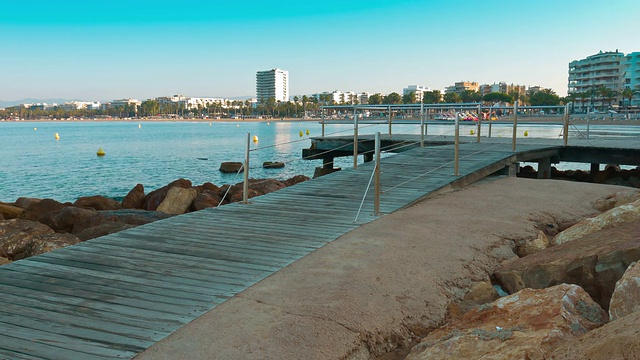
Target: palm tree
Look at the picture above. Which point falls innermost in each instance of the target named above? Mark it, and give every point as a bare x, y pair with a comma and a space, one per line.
606, 94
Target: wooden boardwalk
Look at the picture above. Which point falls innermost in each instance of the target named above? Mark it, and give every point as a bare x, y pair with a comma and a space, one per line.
114, 296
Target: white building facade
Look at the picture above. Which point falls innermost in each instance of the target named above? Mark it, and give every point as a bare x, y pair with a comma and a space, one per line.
632, 77
587, 76
417, 90
272, 83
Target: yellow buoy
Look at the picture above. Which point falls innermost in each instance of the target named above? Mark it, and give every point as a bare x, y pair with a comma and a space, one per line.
526, 133
472, 132
139, 126
301, 134
255, 138
57, 136
307, 132
100, 152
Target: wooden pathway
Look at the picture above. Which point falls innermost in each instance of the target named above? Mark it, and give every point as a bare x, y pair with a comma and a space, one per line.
114, 296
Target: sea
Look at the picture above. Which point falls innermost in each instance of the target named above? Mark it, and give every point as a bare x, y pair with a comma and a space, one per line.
34, 162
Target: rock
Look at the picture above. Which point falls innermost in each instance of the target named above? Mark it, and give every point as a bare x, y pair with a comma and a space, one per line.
595, 262
526, 325
205, 200
65, 219
230, 167
272, 164
482, 292
102, 230
626, 296
25, 202
134, 198
616, 199
41, 210
265, 186
296, 179
17, 235
208, 187
607, 219
532, 246
609, 172
154, 198
9, 211
98, 202
616, 340
50, 242
4, 261
2, 217
177, 200
133, 217
237, 196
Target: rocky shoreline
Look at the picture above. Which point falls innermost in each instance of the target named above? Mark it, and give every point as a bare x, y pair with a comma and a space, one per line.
31, 226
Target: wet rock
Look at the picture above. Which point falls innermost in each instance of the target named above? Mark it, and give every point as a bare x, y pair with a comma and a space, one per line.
98, 202
230, 167
526, 325
8, 211
595, 262
134, 198
617, 199
608, 219
177, 200
102, 230
154, 198
626, 296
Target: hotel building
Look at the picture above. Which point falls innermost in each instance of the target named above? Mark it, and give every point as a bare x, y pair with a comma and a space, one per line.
586, 76
272, 83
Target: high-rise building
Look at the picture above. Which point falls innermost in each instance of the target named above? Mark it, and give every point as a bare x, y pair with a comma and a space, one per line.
272, 83
632, 77
588, 77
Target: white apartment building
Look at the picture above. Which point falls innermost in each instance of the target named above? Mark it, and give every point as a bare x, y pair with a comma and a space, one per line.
79, 105
122, 103
272, 83
417, 90
502, 87
602, 69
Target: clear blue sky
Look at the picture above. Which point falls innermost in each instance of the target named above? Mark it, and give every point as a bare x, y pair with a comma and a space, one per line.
101, 50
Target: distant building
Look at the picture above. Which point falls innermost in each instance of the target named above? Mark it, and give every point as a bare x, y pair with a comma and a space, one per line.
272, 83
417, 90
461, 86
604, 69
79, 105
632, 77
502, 87
121, 103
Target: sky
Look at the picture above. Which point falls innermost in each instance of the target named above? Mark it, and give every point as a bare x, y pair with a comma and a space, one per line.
102, 50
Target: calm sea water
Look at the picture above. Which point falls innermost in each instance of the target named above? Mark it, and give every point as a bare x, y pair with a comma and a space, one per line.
34, 164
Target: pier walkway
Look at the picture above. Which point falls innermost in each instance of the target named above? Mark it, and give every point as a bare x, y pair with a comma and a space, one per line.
115, 296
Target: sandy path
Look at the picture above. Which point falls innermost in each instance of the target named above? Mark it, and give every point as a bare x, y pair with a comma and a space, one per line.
369, 290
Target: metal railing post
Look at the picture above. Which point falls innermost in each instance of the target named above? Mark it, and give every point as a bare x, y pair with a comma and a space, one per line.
245, 185
421, 124
479, 120
490, 120
515, 125
376, 197
322, 120
390, 117
566, 125
355, 140
456, 152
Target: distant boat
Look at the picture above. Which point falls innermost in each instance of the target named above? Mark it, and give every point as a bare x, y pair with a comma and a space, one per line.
203, 158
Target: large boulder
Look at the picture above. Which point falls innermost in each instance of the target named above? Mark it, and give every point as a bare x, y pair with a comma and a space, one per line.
65, 219
133, 217
526, 325
102, 230
134, 198
296, 179
41, 210
25, 202
626, 296
20, 239
616, 199
265, 186
595, 262
205, 200
607, 219
177, 200
238, 196
98, 202
230, 167
8, 211
155, 198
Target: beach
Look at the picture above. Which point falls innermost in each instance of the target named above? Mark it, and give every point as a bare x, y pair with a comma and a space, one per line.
374, 292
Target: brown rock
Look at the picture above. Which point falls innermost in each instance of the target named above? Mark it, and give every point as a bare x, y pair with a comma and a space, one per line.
154, 198
49, 242
616, 340
616, 199
272, 164
265, 186
98, 202
102, 230
205, 200
296, 179
482, 292
607, 219
595, 262
230, 167
24, 202
208, 187
16, 236
526, 325
4, 261
626, 296
9, 211
177, 200
65, 219
133, 217
529, 247
41, 210
238, 195
2, 217
609, 172
134, 198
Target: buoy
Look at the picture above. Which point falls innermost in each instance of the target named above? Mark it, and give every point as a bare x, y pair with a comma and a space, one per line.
100, 152
307, 131
35, 128
255, 138
139, 126
526, 133
301, 133
268, 123
237, 125
209, 124
57, 136
472, 132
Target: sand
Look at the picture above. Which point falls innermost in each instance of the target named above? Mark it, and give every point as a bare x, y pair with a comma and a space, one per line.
383, 285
